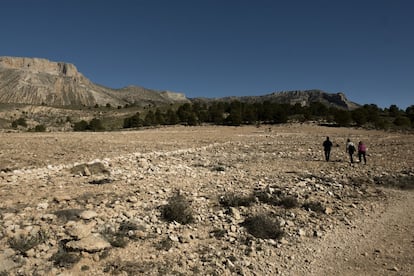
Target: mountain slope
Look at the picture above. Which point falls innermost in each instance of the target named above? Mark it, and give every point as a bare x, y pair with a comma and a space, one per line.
39, 81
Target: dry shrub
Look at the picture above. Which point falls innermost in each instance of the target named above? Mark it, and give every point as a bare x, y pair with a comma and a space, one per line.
24, 243
101, 181
267, 198
404, 181
121, 237
68, 214
165, 244
65, 259
119, 267
178, 209
233, 200
314, 206
277, 199
263, 226
289, 202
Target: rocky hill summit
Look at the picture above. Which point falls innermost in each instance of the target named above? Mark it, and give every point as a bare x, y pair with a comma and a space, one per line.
302, 97
38, 81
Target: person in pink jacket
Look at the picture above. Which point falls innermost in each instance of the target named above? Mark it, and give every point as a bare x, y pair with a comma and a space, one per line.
362, 152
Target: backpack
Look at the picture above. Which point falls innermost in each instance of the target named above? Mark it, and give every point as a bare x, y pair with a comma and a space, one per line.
351, 148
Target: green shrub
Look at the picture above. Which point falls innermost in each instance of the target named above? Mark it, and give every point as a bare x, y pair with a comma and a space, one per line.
263, 226
81, 126
19, 122
178, 209
40, 128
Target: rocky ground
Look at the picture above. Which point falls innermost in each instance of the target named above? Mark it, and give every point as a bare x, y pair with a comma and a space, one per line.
94, 203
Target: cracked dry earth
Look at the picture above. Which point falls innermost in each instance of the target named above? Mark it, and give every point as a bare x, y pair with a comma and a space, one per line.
69, 190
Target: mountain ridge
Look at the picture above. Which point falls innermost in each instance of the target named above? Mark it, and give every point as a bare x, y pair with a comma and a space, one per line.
301, 97
38, 81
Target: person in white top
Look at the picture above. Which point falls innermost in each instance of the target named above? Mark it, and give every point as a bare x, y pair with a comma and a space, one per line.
350, 149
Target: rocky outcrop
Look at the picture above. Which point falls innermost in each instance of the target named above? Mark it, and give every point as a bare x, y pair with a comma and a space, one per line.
302, 97
42, 82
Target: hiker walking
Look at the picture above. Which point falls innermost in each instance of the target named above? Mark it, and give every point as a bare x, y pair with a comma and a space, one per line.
362, 152
327, 145
350, 149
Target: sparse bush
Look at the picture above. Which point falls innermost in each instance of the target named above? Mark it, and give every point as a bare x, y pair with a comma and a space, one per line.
100, 181
314, 206
218, 168
81, 126
263, 226
165, 244
289, 202
277, 199
218, 233
65, 259
267, 198
24, 243
68, 214
178, 209
121, 237
233, 200
40, 128
19, 122
119, 267
127, 226
402, 181
115, 238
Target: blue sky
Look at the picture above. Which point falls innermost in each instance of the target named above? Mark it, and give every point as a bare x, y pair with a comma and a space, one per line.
216, 48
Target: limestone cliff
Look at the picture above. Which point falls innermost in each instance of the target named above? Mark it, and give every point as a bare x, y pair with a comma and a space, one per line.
39, 81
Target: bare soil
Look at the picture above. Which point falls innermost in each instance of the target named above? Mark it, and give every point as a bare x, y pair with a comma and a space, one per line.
367, 231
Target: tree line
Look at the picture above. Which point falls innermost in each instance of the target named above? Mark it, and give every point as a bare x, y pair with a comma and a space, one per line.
238, 113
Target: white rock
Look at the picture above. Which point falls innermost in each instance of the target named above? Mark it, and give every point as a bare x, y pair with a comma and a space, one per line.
91, 243
88, 214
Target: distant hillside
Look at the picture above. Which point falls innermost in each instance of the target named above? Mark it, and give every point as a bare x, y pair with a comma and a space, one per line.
304, 98
37, 81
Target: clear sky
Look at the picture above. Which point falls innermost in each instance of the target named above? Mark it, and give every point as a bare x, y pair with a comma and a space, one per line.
216, 48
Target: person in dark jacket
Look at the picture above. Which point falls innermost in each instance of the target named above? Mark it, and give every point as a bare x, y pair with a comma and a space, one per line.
327, 146
350, 149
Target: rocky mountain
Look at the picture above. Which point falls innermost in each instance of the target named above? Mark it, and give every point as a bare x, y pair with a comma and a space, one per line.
38, 81
302, 97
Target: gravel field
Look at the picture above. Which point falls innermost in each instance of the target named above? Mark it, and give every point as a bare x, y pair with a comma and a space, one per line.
94, 203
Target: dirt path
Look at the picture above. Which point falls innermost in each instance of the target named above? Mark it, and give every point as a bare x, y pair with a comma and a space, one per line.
381, 243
